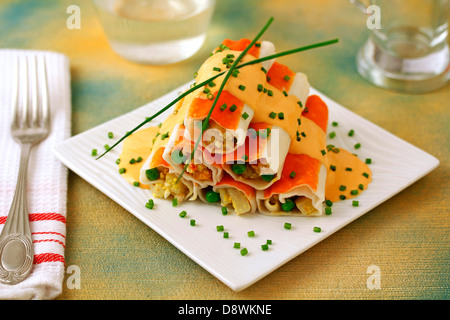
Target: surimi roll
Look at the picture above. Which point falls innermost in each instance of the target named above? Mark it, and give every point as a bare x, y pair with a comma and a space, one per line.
301, 189
259, 162
201, 170
158, 174
232, 194
231, 115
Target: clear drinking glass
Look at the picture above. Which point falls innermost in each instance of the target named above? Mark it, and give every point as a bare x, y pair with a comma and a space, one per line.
408, 50
155, 31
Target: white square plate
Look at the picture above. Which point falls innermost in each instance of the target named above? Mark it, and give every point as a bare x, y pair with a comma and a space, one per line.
396, 164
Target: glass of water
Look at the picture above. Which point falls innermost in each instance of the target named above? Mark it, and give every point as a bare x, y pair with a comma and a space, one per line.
155, 31
407, 49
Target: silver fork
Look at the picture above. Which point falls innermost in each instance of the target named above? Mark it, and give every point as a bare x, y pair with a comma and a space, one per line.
30, 124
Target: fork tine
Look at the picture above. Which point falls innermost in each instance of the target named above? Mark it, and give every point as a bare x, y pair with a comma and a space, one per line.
34, 92
23, 83
44, 92
15, 94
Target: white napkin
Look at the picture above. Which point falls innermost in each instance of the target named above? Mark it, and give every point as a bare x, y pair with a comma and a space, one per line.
47, 178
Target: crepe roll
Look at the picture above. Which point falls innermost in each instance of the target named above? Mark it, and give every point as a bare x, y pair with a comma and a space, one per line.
201, 169
232, 194
259, 162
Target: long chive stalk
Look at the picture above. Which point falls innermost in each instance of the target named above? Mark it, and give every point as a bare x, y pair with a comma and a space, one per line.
227, 76
202, 84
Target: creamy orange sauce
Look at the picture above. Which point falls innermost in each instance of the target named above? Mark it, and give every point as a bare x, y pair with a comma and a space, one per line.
342, 178
136, 146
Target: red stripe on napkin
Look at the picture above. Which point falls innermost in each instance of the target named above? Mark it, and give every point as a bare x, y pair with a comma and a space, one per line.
48, 257
41, 217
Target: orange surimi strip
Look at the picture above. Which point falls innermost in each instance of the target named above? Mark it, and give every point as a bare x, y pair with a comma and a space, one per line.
157, 159
317, 111
229, 181
306, 172
240, 45
227, 118
280, 76
254, 144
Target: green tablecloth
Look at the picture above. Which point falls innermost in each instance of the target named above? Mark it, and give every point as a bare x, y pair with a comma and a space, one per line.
407, 237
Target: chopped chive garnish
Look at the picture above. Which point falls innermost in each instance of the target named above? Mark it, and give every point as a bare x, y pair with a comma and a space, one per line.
269, 241
118, 161
300, 103
334, 124
368, 161
287, 78
327, 211
272, 115
329, 203
303, 134
265, 247
332, 135
263, 70
332, 167
361, 186
323, 152
342, 188
224, 211
211, 84
139, 159
236, 245
233, 108
110, 135
348, 169
226, 235
192, 222
206, 90
260, 88
317, 229
269, 93
245, 115
183, 214
292, 175
174, 202
165, 135
223, 107
94, 152
251, 233
355, 203
354, 192
122, 170
217, 69
210, 96
241, 87
358, 145
136, 184
220, 228
150, 204
299, 121
351, 133
132, 161
365, 175
268, 79
281, 115
342, 197
244, 252
107, 147
287, 226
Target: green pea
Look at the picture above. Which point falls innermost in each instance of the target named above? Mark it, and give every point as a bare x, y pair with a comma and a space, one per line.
288, 205
238, 168
268, 177
212, 196
152, 174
